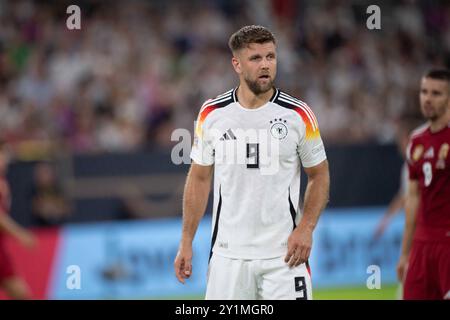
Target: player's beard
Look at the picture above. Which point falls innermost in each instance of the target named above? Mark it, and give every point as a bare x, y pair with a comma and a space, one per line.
434, 114
257, 88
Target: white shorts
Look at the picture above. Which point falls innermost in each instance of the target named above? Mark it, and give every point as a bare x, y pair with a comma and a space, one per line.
266, 279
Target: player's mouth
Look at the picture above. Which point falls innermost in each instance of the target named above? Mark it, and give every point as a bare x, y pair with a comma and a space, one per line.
264, 76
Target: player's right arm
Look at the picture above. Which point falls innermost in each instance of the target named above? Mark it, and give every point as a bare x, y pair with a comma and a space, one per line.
411, 205
196, 191
195, 199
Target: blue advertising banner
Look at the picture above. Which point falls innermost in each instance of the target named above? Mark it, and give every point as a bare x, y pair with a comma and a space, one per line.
127, 260
134, 260
345, 251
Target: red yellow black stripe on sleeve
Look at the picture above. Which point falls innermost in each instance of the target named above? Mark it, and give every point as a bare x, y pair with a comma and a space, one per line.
305, 113
208, 107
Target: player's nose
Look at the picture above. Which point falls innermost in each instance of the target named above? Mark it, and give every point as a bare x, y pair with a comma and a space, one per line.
265, 64
427, 101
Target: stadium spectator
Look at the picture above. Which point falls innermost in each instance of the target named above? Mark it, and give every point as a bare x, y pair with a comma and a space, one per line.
124, 81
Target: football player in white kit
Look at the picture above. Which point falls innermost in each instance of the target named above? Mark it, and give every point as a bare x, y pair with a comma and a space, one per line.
255, 138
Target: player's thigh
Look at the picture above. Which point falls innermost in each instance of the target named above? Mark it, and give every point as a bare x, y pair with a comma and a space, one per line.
419, 282
15, 288
280, 282
444, 270
230, 279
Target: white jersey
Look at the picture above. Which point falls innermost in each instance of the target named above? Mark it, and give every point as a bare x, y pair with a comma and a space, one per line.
257, 155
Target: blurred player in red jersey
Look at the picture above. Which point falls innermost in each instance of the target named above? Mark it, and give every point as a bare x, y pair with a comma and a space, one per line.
424, 265
14, 286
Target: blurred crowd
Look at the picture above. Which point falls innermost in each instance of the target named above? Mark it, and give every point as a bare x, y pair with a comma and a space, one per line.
137, 70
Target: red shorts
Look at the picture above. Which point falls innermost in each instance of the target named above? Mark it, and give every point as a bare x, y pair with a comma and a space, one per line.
6, 267
428, 275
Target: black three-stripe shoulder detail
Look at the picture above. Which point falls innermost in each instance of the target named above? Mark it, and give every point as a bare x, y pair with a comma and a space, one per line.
220, 102
283, 104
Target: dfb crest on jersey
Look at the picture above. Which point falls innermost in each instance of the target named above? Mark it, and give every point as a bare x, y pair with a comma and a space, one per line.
278, 129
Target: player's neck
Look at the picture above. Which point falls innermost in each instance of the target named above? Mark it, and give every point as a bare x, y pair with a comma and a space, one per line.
440, 123
249, 100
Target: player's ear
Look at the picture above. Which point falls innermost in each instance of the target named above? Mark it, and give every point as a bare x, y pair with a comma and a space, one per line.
235, 61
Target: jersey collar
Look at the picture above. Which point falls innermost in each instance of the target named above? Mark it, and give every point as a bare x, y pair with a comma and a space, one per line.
276, 92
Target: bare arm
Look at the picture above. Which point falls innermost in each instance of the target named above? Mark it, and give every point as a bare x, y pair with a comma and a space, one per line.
195, 199
316, 198
316, 194
411, 205
396, 204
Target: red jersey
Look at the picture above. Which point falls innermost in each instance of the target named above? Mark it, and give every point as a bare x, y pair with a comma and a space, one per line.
429, 163
6, 265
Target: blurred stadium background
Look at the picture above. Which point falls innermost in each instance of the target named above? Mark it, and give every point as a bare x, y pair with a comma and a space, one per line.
88, 116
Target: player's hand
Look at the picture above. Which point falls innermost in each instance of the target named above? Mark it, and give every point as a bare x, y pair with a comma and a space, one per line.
299, 246
183, 263
379, 231
402, 267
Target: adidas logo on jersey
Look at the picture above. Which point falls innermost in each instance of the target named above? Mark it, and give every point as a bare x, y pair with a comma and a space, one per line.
229, 135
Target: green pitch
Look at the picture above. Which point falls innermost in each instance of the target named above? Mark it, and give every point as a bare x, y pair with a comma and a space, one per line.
358, 293
387, 292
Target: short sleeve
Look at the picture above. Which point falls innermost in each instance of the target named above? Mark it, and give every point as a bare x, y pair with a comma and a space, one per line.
202, 151
412, 170
310, 148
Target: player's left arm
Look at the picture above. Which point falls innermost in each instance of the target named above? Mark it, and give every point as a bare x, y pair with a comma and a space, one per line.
316, 198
